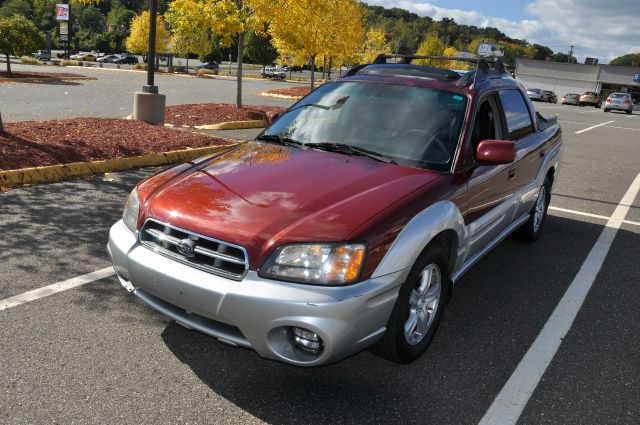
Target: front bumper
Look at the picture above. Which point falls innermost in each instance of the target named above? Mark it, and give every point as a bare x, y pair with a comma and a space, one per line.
257, 313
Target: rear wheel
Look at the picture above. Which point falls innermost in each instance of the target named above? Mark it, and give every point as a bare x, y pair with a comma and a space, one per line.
418, 309
629, 112
606, 110
532, 229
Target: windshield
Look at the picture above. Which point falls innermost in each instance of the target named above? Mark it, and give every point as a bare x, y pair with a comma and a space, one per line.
413, 126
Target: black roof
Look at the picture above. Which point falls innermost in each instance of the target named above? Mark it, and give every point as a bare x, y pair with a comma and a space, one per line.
485, 69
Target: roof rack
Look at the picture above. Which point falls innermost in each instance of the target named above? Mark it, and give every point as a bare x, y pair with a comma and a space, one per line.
485, 67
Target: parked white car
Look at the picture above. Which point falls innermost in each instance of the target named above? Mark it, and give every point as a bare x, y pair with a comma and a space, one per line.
619, 102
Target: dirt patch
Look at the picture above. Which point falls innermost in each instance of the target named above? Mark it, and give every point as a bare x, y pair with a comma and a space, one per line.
36, 143
298, 91
215, 113
19, 77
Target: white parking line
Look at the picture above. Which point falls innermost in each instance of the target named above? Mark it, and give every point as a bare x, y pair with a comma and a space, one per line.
586, 214
510, 402
593, 126
623, 128
54, 288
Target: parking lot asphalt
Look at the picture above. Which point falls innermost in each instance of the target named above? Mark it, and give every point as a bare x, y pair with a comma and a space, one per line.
94, 354
110, 95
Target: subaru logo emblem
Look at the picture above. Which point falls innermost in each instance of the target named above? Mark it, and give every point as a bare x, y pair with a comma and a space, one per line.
186, 247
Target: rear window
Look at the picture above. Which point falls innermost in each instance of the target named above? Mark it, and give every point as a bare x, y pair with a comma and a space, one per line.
619, 95
519, 122
590, 93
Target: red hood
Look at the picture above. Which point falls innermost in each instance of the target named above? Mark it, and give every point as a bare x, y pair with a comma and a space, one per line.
260, 196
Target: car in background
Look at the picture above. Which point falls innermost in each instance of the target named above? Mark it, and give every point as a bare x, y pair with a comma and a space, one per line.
274, 72
549, 96
209, 65
534, 94
619, 102
293, 68
84, 56
126, 59
43, 55
590, 98
571, 99
107, 58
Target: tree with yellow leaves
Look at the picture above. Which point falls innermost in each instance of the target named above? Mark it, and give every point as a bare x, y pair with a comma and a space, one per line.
314, 28
186, 43
228, 19
138, 40
431, 46
375, 43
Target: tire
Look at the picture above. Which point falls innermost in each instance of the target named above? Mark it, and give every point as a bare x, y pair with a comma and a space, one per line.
532, 229
580, 104
606, 110
598, 105
423, 306
628, 112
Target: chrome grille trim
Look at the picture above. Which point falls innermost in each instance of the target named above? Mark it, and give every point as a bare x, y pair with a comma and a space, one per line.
164, 239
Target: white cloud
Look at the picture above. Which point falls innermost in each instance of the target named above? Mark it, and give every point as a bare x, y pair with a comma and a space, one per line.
599, 28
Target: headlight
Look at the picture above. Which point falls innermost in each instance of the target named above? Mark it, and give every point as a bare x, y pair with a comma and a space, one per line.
319, 264
131, 211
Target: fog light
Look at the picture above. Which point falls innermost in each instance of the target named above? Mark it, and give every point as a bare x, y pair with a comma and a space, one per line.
307, 340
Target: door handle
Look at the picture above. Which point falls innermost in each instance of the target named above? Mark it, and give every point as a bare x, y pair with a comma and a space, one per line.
512, 173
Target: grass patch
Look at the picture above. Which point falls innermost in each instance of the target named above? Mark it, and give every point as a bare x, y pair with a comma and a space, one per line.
69, 62
30, 61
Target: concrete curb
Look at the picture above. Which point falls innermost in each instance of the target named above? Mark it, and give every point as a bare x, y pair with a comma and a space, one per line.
232, 125
280, 96
50, 173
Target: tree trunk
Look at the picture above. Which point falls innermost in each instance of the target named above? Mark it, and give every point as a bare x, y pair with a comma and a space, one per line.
187, 63
1, 126
330, 65
313, 71
8, 64
324, 66
239, 72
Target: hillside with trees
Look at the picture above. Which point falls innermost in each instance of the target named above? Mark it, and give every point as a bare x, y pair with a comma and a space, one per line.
104, 26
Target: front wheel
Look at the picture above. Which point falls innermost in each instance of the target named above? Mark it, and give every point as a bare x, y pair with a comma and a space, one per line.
532, 229
418, 308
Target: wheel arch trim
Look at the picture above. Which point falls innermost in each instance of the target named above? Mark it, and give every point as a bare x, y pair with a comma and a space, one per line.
422, 229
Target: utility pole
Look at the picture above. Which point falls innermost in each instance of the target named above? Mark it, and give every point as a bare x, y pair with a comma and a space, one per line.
570, 54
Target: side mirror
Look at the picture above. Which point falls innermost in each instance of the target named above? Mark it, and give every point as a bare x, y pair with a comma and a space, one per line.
496, 152
272, 116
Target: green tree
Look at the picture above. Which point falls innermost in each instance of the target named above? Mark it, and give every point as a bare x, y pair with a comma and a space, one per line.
17, 7
632, 59
18, 36
260, 50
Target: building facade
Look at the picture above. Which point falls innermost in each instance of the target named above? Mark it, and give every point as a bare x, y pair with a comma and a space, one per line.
565, 78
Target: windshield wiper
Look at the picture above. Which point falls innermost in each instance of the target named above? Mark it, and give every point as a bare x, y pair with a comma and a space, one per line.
351, 150
286, 141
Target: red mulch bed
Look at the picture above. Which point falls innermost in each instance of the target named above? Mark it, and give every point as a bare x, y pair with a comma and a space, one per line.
35, 143
17, 75
298, 91
215, 113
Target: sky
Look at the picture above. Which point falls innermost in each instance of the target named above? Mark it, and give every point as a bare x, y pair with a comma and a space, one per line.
604, 29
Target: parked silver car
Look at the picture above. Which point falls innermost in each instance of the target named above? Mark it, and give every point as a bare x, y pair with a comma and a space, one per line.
535, 94
571, 99
619, 102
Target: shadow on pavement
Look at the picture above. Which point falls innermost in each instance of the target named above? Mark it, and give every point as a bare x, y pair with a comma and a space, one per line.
497, 311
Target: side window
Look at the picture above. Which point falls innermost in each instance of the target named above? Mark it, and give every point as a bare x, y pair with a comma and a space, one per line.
519, 122
486, 125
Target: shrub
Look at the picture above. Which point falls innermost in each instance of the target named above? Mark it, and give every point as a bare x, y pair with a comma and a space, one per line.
140, 65
205, 71
29, 60
69, 62
180, 69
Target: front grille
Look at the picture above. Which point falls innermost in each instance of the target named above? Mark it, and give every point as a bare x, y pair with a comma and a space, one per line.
204, 253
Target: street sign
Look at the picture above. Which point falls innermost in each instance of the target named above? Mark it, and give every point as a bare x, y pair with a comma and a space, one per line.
64, 31
490, 50
636, 78
62, 12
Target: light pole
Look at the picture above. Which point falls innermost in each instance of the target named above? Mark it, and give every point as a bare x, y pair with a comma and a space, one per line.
148, 105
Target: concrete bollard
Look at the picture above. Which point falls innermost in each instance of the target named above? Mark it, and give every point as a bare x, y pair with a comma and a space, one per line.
149, 107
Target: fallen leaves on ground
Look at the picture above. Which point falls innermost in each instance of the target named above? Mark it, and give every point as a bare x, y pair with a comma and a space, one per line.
215, 113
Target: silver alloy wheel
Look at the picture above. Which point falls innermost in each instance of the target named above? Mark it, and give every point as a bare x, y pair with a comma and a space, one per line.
538, 215
423, 304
